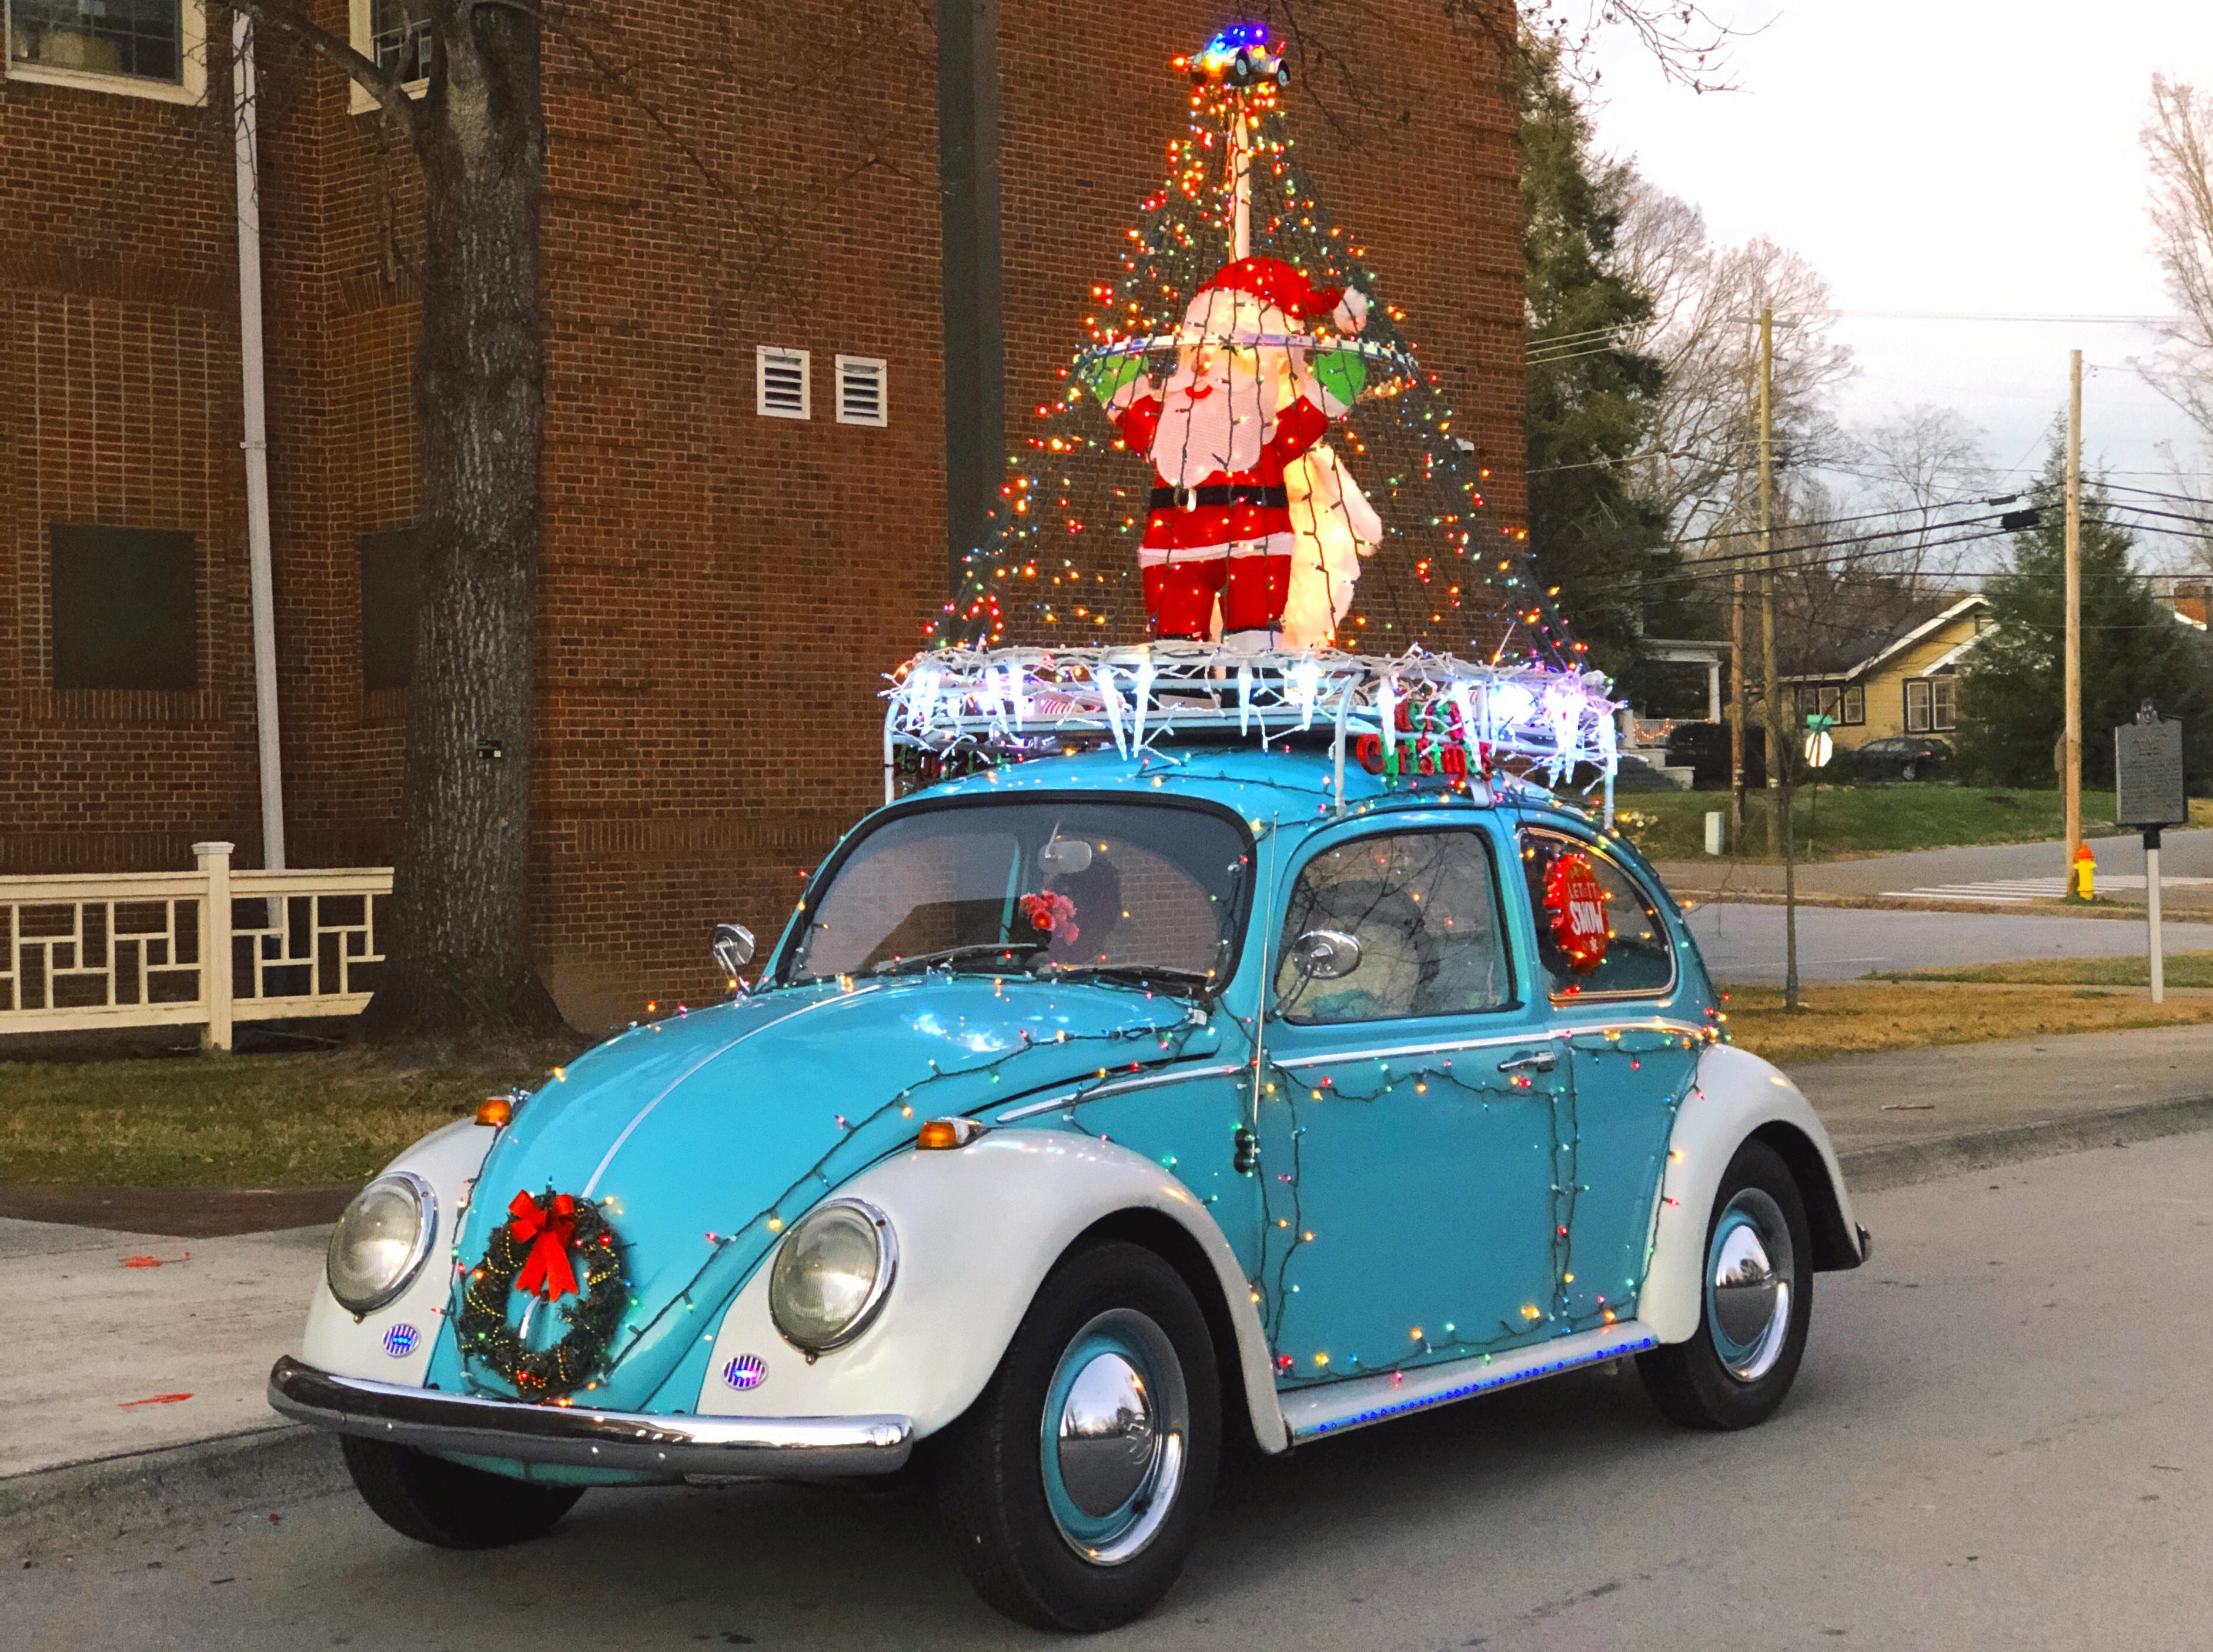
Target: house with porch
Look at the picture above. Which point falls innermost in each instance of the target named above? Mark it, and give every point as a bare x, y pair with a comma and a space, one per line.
1902, 680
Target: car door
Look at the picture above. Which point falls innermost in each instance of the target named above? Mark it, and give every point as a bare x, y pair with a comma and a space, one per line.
1610, 967
1407, 1110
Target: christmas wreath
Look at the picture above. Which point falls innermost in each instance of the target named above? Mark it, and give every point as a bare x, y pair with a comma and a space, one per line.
531, 1251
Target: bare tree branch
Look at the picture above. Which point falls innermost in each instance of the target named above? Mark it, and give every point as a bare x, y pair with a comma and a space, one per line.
2178, 142
391, 96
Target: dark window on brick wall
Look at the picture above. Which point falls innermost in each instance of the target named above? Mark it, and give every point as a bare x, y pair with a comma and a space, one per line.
391, 596
125, 608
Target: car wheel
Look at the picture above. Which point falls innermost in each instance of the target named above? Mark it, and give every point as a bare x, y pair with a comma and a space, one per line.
1074, 1487
1758, 1281
449, 1506
1911, 772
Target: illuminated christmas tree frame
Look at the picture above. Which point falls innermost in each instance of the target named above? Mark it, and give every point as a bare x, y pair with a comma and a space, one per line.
1417, 714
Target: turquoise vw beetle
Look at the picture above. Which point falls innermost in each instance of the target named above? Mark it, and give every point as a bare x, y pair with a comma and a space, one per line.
1092, 1109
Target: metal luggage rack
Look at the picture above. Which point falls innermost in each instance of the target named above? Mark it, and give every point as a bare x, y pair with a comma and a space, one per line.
1431, 712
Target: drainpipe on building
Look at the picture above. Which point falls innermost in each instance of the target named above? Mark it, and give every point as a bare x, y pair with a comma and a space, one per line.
256, 444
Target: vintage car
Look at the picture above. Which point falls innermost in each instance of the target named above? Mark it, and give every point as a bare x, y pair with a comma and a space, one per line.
1092, 1112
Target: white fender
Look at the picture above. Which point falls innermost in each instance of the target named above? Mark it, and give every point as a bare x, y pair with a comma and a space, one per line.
1736, 1094
335, 1341
976, 1230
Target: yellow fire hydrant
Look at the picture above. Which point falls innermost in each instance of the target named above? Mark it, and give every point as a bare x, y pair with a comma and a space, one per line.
2082, 878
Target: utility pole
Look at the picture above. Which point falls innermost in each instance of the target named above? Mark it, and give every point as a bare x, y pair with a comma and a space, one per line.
1778, 755
2070, 744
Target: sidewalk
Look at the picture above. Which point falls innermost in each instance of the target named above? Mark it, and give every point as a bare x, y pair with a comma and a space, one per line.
109, 1335
2182, 855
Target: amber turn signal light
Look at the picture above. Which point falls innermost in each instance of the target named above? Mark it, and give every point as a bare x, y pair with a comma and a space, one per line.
495, 1111
948, 1133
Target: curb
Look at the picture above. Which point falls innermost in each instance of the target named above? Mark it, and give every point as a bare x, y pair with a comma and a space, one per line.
106, 1497
1872, 1170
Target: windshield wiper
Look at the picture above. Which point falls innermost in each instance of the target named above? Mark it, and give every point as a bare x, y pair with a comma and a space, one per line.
1008, 949
1166, 974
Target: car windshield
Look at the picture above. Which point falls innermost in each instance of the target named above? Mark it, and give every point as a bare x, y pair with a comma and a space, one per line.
1056, 887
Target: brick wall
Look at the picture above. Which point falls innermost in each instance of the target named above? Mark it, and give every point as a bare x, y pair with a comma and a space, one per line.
722, 591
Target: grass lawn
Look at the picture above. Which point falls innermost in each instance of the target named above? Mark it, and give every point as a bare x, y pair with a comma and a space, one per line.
2182, 969
226, 1121
1846, 822
1842, 1020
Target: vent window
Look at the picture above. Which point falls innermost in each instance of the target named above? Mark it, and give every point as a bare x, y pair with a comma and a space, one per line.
861, 398
780, 381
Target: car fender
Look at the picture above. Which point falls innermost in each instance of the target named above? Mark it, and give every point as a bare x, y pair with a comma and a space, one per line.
392, 1344
1735, 1096
976, 1230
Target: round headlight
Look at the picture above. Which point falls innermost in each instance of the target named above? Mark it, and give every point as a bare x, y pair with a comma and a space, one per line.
381, 1242
832, 1274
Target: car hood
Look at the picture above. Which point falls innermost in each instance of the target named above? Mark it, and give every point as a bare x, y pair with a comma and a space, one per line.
703, 1135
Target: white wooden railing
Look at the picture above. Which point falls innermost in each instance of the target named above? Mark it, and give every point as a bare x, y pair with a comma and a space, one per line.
209, 946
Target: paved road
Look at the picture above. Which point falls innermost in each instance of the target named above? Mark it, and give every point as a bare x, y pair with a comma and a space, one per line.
1998, 1440
1745, 943
2182, 854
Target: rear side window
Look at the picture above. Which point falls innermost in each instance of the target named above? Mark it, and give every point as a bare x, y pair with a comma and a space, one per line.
1598, 934
1421, 911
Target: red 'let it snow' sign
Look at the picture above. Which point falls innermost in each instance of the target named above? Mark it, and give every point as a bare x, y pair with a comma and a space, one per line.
1578, 906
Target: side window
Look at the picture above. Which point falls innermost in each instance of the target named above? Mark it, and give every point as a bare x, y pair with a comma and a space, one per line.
1422, 910
1597, 930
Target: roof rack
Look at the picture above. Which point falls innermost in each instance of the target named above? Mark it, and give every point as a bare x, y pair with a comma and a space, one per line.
1418, 712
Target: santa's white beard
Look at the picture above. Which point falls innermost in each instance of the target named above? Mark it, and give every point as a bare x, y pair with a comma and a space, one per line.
1224, 431
1336, 527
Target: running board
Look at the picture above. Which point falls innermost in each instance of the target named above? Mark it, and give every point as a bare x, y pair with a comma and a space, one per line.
1335, 1407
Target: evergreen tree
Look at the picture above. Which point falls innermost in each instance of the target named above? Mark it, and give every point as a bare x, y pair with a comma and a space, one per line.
2133, 649
1591, 403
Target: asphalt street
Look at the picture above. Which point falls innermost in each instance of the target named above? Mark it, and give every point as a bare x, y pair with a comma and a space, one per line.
1744, 943
1997, 1441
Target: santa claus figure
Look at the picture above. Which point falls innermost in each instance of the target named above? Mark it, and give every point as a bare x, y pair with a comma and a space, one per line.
1232, 436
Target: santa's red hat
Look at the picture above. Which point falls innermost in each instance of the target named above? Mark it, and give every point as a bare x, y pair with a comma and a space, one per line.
1276, 285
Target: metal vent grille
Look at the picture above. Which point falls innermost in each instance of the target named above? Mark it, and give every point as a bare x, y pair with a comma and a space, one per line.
860, 391
780, 383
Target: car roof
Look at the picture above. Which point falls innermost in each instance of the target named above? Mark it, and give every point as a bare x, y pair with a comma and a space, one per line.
1287, 788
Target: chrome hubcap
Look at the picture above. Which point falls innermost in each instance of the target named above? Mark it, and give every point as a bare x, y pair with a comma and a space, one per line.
1116, 1418
1106, 1443
1749, 1274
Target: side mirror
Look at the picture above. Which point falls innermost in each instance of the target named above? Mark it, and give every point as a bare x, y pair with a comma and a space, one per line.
733, 949
1326, 955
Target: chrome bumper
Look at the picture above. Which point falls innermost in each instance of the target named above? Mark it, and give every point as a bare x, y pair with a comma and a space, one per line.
670, 1447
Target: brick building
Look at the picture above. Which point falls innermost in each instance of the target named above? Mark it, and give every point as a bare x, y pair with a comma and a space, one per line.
806, 266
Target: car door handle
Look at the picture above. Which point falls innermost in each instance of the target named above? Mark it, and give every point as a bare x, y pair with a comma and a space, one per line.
1533, 1061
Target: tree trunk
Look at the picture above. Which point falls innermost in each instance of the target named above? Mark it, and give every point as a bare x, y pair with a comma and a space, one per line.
460, 961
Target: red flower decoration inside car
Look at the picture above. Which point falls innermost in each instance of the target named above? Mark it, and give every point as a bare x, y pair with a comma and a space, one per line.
1049, 912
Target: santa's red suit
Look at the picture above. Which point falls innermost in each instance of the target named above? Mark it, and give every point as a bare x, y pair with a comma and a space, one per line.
1235, 413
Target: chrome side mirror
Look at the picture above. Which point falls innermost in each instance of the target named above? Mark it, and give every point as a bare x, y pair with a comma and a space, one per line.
1326, 955
733, 949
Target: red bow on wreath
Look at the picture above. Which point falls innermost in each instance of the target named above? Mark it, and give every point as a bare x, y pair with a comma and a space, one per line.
547, 1229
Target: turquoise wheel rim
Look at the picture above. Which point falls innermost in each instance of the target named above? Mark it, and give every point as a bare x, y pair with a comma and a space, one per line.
1113, 1438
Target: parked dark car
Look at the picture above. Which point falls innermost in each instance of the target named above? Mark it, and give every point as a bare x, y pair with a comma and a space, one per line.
1901, 756
1704, 748
1631, 773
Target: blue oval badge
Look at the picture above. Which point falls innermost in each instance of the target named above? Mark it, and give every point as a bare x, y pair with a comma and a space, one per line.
399, 1341
746, 1371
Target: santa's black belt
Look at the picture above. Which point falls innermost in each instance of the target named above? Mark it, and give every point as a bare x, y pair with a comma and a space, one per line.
1165, 498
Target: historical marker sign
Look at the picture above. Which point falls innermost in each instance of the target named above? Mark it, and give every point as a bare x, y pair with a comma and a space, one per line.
2148, 775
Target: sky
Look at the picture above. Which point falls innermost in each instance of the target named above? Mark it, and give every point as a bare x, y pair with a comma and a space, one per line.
1947, 155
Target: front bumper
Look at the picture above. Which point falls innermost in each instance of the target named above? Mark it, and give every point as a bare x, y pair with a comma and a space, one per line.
669, 1447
